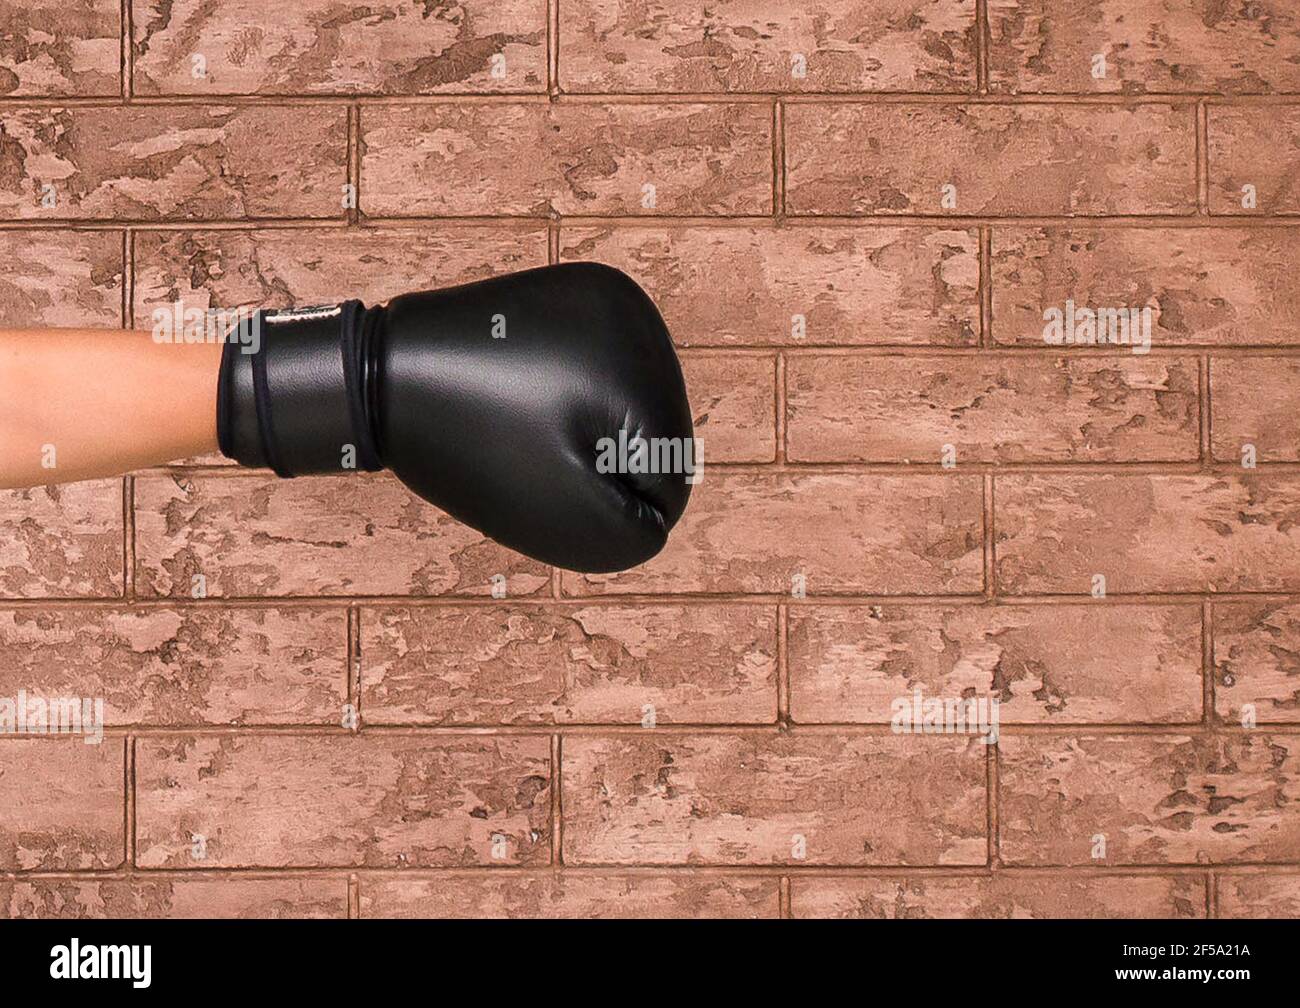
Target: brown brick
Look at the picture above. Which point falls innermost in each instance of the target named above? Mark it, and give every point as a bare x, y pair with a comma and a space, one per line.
585, 895
183, 666
62, 541
152, 162
289, 267
538, 158
755, 532
345, 800
1049, 46
1060, 664
1257, 661
1155, 799
740, 45
320, 46
742, 799
1218, 286
1003, 409
344, 535
61, 804
506, 664
60, 278
1276, 894
1147, 533
1255, 146
733, 402
1254, 402
184, 899
53, 48
1002, 896
1002, 159
720, 286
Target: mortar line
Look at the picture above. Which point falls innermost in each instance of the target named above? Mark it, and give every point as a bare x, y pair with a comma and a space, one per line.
780, 404
251, 223
1205, 438
1027, 349
128, 540
1211, 895
1185, 220
875, 729
1211, 715
728, 353
129, 822
993, 805
783, 898
1206, 369
1285, 220
557, 801
652, 870
783, 666
540, 96
986, 286
353, 212
846, 467
1180, 99
128, 278
353, 659
1202, 159
553, 48
983, 39
988, 504
117, 603
126, 53
354, 896
778, 161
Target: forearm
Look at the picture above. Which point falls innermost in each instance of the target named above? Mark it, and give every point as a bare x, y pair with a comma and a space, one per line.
81, 404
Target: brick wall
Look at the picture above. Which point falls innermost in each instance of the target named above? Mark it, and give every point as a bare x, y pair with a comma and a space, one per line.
853, 215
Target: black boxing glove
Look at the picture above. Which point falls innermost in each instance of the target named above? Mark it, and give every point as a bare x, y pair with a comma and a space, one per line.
545, 408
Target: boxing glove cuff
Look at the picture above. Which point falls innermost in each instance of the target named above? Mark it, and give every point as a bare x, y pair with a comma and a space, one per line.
300, 395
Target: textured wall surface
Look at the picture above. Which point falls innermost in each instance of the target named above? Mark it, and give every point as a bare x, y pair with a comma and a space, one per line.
854, 214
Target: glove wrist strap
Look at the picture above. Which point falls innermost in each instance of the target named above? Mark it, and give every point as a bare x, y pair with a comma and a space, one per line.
300, 395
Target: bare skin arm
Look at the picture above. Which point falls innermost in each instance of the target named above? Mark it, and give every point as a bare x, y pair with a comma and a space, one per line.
80, 404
